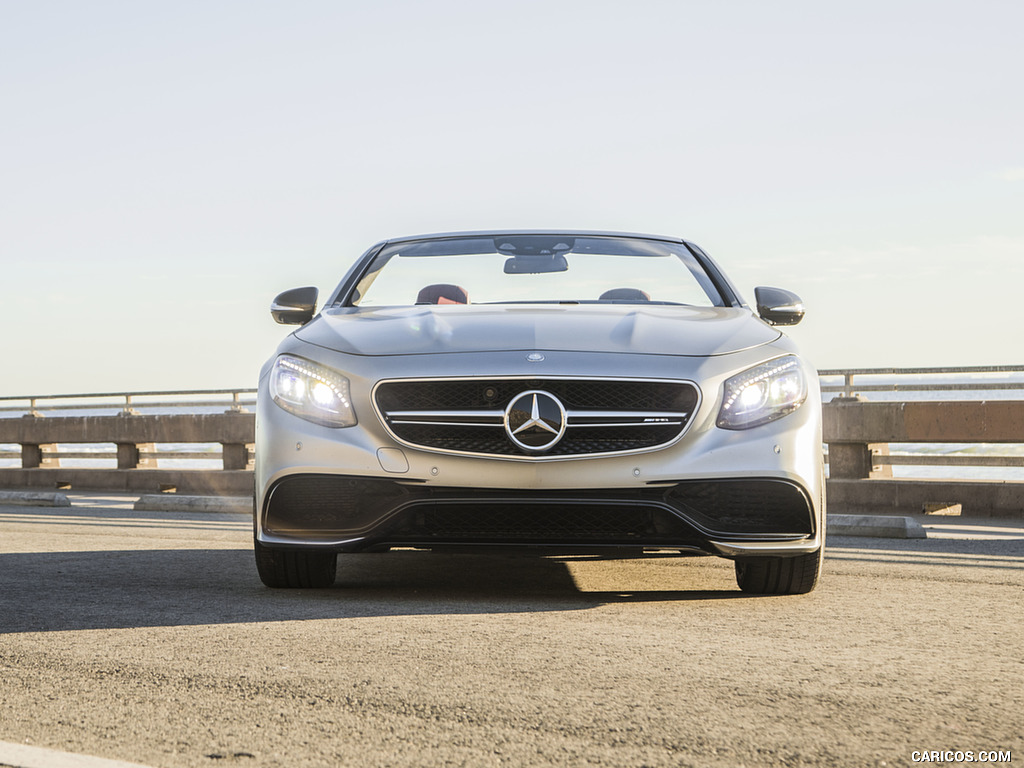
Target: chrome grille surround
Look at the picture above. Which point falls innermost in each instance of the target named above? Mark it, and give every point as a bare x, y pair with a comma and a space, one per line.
468, 414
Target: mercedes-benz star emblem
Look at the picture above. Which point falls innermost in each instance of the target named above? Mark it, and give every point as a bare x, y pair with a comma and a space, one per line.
535, 421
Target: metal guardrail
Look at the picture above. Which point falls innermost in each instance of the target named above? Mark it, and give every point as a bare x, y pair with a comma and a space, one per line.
128, 402
850, 386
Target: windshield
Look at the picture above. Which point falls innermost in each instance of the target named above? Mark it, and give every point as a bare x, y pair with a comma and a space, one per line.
535, 269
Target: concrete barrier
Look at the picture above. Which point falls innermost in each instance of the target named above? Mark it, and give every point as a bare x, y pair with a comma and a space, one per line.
875, 526
980, 498
860, 433
133, 436
34, 499
171, 502
212, 482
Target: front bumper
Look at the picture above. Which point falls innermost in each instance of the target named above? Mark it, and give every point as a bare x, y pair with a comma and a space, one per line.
354, 514
730, 493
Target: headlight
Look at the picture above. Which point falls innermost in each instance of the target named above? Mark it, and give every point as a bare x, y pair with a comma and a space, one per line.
764, 393
312, 392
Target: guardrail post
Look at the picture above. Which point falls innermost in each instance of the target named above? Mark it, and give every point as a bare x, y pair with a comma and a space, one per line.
34, 456
235, 455
848, 385
856, 461
852, 459
129, 456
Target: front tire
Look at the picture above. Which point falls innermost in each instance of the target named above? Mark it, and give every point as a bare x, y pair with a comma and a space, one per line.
779, 575
295, 568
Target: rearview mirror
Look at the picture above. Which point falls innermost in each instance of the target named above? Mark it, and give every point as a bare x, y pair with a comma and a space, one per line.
295, 307
536, 265
778, 307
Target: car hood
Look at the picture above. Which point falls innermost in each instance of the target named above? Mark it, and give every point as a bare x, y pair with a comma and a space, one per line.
424, 330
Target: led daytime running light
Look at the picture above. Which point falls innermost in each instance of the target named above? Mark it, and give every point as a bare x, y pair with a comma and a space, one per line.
762, 394
312, 392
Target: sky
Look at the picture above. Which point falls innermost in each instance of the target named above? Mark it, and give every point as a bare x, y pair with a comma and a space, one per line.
167, 168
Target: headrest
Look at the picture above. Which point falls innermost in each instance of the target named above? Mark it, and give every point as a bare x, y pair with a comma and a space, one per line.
443, 293
625, 294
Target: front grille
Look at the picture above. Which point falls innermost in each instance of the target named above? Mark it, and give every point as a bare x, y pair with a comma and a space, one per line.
602, 415
486, 393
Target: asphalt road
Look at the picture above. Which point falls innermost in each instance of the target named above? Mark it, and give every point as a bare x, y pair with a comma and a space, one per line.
147, 637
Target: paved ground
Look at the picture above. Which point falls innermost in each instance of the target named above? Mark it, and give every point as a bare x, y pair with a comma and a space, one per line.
147, 637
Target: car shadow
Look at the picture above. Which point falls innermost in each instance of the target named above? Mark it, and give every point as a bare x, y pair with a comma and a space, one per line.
67, 591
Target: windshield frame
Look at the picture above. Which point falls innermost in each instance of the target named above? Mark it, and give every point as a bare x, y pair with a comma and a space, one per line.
712, 281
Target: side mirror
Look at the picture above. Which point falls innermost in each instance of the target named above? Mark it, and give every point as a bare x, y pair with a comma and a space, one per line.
778, 307
295, 307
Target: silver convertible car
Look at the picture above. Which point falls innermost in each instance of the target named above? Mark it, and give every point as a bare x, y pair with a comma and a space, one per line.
552, 393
